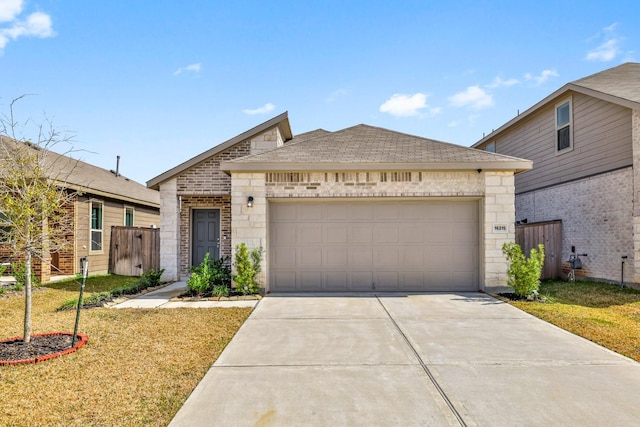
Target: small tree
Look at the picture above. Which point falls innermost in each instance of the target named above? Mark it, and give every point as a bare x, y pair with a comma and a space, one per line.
247, 268
524, 274
34, 198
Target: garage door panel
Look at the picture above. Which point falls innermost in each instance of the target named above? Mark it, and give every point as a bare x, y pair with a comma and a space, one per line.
335, 256
360, 256
309, 233
386, 233
310, 256
361, 281
284, 256
310, 280
374, 246
335, 281
335, 233
361, 233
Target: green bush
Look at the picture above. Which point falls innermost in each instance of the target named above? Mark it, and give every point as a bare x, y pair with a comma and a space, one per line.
524, 274
247, 268
209, 275
93, 299
151, 278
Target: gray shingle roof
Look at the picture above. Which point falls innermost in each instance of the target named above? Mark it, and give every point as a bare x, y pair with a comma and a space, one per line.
622, 81
95, 180
364, 146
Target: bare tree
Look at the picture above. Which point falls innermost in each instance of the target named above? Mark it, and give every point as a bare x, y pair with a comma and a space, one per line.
34, 196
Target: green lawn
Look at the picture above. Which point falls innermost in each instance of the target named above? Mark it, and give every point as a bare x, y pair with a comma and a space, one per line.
603, 313
137, 369
101, 283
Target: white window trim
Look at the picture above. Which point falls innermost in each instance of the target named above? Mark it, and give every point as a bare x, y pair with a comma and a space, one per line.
133, 215
491, 144
91, 230
555, 121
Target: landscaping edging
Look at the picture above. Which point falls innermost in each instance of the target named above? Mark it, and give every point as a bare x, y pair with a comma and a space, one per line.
82, 340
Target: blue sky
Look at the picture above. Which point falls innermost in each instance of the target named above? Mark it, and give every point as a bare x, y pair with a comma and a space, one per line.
158, 82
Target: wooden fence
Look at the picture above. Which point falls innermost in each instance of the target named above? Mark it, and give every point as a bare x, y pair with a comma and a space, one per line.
134, 250
548, 233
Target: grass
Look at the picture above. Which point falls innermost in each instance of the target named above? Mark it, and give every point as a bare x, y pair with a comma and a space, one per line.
603, 313
137, 369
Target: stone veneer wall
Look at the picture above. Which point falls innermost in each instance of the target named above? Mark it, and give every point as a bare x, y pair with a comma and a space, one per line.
169, 228
596, 214
635, 139
250, 225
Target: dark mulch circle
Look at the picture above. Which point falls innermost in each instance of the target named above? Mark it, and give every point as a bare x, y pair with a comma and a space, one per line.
513, 297
41, 347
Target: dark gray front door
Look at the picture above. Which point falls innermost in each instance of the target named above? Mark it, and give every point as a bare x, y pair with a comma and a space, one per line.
206, 235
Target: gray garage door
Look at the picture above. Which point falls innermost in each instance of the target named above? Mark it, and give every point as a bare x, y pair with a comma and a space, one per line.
373, 246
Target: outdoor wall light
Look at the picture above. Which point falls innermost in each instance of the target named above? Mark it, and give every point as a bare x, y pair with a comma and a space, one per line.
249, 201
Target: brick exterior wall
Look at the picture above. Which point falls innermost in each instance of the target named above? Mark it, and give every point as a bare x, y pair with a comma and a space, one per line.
635, 139
597, 218
206, 178
496, 189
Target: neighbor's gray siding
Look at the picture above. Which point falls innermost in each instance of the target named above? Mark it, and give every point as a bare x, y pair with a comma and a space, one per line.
601, 143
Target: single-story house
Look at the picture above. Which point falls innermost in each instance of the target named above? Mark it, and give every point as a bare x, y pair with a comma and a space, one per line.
360, 209
102, 199
584, 141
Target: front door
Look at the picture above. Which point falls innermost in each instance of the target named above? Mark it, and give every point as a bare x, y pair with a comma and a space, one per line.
205, 235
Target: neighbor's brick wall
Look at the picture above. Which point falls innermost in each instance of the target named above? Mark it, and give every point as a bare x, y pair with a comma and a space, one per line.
204, 202
596, 216
250, 224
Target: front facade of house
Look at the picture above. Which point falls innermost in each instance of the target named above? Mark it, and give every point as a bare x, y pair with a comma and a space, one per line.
362, 209
584, 141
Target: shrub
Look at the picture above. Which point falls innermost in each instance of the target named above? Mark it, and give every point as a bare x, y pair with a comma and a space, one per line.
247, 268
209, 275
20, 274
151, 278
524, 274
220, 291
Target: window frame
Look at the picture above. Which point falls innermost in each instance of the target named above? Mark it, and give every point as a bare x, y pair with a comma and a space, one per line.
569, 124
133, 216
491, 144
92, 230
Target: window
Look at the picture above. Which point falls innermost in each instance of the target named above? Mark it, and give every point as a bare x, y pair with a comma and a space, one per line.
128, 216
491, 147
563, 126
96, 226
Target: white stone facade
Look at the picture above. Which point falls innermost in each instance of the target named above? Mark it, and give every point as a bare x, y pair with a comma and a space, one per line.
494, 189
169, 230
597, 218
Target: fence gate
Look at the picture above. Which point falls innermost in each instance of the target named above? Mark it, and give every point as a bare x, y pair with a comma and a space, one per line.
548, 233
134, 250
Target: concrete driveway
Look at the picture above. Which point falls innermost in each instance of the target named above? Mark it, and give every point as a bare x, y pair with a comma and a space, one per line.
410, 360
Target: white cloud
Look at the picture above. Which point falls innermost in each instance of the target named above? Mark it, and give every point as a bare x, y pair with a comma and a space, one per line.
261, 110
400, 105
38, 24
9, 9
609, 47
473, 97
336, 94
499, 82
542, 77
194, 68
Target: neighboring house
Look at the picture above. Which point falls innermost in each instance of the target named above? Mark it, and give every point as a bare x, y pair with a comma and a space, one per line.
361, 209
104, 199
584, 141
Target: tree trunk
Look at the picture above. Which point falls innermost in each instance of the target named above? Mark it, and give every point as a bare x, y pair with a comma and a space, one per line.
27, 297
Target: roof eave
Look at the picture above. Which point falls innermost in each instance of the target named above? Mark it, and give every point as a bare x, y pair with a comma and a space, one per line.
281, 121
557, 94
515, 165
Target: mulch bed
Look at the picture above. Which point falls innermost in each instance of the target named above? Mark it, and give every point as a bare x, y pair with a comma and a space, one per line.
14, 351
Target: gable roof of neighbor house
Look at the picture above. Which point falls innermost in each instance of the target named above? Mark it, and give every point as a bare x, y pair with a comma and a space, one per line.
619, 85
364, 147
87, 178
281, 121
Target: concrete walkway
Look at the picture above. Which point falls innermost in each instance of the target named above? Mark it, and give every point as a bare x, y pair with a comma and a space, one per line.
410, 360
161, 298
